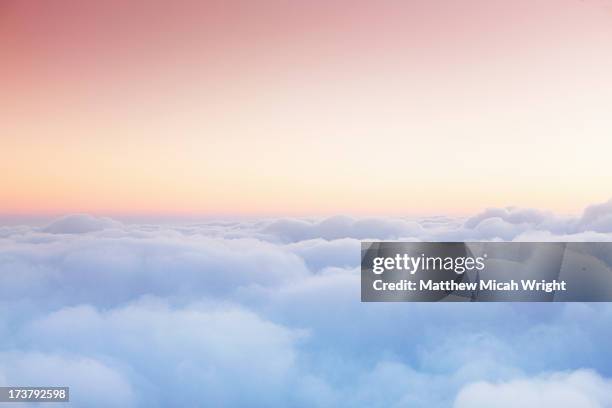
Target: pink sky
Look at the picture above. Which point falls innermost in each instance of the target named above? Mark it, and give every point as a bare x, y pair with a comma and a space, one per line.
318, 107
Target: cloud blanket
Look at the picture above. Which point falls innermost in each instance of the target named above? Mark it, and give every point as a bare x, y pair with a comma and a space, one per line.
266, 313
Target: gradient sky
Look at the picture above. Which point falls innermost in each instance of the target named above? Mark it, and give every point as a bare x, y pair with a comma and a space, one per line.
313, 107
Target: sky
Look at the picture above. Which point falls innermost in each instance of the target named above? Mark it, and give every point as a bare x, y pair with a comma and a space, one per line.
184, 186
304, 108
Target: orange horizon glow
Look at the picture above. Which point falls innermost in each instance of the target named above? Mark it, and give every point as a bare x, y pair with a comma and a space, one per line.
304, 108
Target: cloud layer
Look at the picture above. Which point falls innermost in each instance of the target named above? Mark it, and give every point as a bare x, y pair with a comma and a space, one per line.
267, 313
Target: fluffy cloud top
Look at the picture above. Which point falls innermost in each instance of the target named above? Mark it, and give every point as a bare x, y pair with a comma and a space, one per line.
597, 218
267, 313
581, 388
79, 224
342, 227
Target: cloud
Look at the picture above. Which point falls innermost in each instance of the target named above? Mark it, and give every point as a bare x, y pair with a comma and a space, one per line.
107, 270
513, 223
205, 349
506, 224
512, 215
167, 313
92, 382
292, 230
581, 388
320, 253
79, 224
597, 218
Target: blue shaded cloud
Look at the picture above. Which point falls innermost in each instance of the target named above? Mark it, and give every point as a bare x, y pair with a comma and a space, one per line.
80, 224
267, 313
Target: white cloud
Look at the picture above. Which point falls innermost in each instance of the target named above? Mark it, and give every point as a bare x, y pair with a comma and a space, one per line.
512, 215
107, 270
92, 382
597, 218
292, 230
79, 224
199, 348
581, 388
273, 305
320, 253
